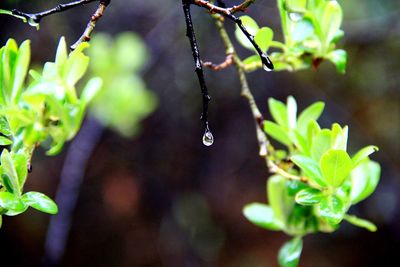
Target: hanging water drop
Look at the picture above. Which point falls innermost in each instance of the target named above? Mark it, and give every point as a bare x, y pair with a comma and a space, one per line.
33, 22
266, 62
208, 138
296, 16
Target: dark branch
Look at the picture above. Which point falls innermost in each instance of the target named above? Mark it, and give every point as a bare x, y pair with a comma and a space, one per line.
37, 17
196, 56
228, 13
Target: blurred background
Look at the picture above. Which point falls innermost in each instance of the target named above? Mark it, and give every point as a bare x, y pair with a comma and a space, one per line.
162, 198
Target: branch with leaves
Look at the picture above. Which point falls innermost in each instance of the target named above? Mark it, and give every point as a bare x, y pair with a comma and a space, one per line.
314, 181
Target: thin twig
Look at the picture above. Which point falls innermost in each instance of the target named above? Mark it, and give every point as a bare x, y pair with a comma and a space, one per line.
85, 37
36, 17
228, 13
228, 62
196, 56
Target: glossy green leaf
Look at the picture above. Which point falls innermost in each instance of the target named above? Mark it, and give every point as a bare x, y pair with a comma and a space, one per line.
361, 223
321, 143
363, 154
289, 254
7, 165
264, 38
251, 26
40, 202
331, 19
261, 215
309, 196
364, 178
277, 132
310, 168
20, 70
21, 167
332, 209
4, 127
61, 54
311, 113
339, 58
302, 144
5, 141
278, 112
11, 203
76, 65
278, 198
339, 137
336, 165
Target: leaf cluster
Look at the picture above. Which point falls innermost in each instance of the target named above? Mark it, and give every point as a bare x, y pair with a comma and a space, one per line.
318, 180
44, 111
311, 30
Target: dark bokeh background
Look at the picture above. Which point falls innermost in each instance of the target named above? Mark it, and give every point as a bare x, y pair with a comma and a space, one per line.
164, 199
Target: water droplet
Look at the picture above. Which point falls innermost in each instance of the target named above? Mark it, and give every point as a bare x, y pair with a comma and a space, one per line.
34, 23
208, 138
267, 63
296, 16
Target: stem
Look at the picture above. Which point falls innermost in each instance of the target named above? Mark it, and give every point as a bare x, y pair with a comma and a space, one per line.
196, 56
36, 17
228, 12
85, 37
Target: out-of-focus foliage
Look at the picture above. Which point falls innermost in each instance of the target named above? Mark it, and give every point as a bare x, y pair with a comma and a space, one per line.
45, 111
318, 180
311, 30
124, 99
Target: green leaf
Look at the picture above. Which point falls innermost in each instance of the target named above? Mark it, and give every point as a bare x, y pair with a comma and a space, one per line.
261, 215
91, 89
311, 113
278, 112
7, 165
332, 209
364, 178
264, 38
20, 70
62, 53
277, 132
310, 168
339, 137
11, 203
291, 112
251, 26
309, 196
21, 167
289, 254
5, 141
321, 143
336, 165
76, 65
331, 19
4, 126
278, 198
339, 58
40, 202
363, 154
361, 222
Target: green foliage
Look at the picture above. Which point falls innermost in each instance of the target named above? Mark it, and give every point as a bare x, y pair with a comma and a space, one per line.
124, 100
315, 190
311, 30
45, 111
